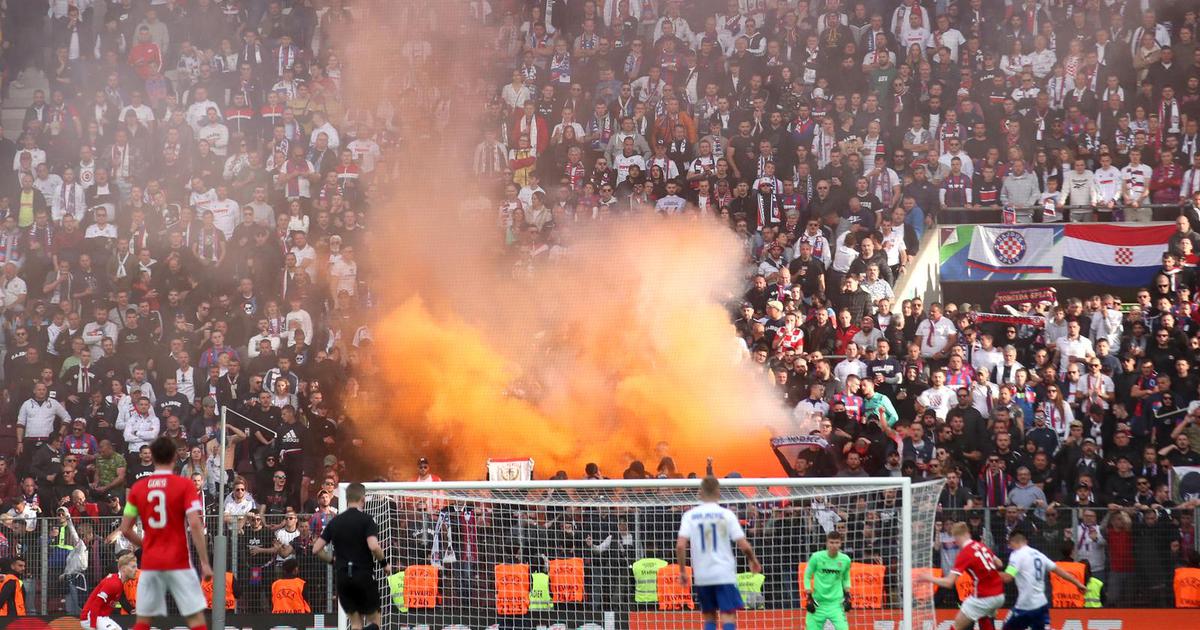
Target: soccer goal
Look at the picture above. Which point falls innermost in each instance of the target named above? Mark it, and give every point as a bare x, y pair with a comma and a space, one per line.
599, 555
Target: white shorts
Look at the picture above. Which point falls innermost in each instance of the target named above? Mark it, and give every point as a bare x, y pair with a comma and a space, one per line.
976, 608
102, 623
182, 584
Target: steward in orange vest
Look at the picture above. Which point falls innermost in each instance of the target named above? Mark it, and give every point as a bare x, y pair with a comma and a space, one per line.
287, 593
230, 599
12, 595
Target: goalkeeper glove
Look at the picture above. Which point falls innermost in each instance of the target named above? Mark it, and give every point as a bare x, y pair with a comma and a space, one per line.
811, 606
846, 604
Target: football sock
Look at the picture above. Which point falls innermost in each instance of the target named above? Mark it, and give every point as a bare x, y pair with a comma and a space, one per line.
985, 623
141, 626
729, 626
710, 625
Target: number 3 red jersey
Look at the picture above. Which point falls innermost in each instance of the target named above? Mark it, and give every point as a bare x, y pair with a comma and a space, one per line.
162, 502
100, 603
977, 561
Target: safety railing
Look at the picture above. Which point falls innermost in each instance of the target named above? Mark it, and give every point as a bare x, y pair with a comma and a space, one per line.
952, 215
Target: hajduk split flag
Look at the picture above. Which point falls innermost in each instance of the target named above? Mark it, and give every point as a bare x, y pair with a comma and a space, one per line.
1126, 256
1012, 249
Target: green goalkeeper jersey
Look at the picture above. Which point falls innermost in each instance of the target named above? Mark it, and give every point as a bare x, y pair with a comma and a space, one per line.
828, 578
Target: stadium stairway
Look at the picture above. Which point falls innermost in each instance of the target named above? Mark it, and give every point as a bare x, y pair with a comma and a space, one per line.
12, 110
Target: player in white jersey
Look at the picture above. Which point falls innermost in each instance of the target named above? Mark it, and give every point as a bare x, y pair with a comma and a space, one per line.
708, 531
1028, 567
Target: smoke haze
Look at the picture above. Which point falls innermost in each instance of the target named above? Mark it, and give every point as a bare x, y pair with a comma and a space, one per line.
619, 345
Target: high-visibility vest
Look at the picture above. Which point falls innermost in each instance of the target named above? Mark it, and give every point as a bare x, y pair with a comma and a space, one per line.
62, 540
750, 585
866, 585
131, 589
512, 589
1187, 588
207, 587
287, 597
539, 592
1091, 599
421, 586
396, 590
671, 594
18, 597
645, 579
924, 590
566, 580
965, 585
1063, 594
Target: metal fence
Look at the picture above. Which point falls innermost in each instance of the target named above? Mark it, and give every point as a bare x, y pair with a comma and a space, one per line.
1132, 552
256, 554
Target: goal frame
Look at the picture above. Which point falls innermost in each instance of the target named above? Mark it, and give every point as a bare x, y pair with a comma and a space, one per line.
903, 484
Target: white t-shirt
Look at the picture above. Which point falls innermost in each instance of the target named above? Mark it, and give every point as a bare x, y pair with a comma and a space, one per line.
712, 530
939, 399
1030, 566
1068, 349
934, 334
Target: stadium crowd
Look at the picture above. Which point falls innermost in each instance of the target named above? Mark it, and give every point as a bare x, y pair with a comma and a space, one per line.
188, 202
829, 135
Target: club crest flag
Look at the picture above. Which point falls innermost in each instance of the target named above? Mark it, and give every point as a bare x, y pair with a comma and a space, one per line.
510, 469
1126, 256
1012, 249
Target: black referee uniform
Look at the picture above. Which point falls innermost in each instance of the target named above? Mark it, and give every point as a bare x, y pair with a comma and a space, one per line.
352, 560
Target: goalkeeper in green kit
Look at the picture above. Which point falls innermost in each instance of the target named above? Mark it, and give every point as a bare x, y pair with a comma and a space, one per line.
827, 585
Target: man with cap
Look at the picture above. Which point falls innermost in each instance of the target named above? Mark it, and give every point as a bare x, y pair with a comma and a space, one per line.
774, 321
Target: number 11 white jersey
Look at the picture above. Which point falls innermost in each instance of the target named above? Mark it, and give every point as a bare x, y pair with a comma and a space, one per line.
1030, 566
712, 530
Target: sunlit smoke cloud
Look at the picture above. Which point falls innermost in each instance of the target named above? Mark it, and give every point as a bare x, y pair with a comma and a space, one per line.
621, 344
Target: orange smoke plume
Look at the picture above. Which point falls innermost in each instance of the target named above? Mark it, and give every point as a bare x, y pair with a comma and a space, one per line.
598, 356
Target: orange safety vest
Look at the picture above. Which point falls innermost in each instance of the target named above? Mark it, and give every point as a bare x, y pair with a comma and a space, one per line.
421, 586
566, 580
965, 585
1187, 588
924, 590
512, 589
866, 585
1063, 594
207, 587
131, 590
671, 594
287, 597
18, 595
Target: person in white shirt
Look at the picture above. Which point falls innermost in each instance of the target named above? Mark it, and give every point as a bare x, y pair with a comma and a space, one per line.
264, 334
215, 133
225, 211
72, 198
1135, 179
185, 376
323, 126
938, 397
1191, 179
987, 356
629, 157
852, 365
707, 531
1029, 567
141, 426
1073, 348
1107, 186
936, 334
306, 256
954, 150
946, 36
197, 112
1042, 58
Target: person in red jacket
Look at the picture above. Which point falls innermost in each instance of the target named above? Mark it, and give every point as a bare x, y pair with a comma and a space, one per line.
1166, 179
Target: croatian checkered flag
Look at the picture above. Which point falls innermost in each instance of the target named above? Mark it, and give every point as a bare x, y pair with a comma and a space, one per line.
1010, 215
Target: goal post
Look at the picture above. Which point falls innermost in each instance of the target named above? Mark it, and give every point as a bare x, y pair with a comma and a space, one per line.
599, 554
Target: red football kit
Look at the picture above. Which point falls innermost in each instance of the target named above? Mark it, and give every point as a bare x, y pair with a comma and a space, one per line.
100, 603
977, 561
162, 502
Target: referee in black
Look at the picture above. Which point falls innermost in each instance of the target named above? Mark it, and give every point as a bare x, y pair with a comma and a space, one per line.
356, 551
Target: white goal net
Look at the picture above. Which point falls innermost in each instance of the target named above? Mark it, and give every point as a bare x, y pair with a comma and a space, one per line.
600, 555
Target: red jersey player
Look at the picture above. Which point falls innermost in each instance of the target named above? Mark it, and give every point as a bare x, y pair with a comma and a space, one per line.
976, 560
100, 603
167, 506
